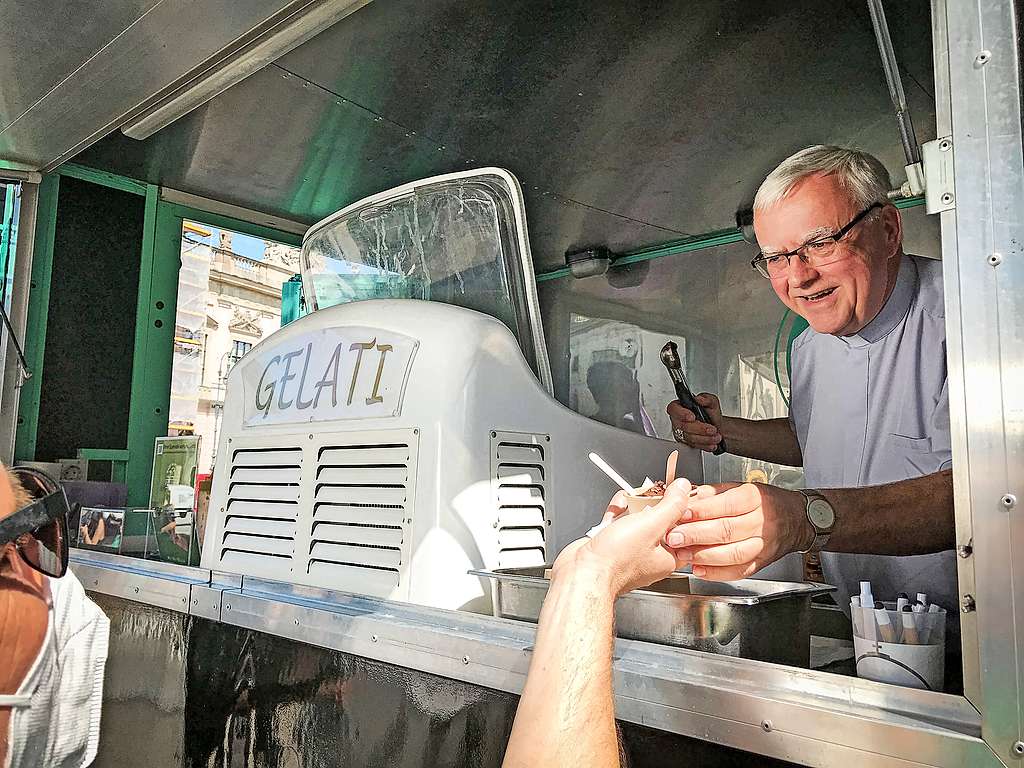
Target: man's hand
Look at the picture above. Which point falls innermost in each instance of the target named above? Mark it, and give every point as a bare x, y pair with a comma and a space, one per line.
740, 529
630, 552
696, 434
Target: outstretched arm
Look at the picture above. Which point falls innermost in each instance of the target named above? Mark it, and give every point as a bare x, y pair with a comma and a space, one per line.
566, 715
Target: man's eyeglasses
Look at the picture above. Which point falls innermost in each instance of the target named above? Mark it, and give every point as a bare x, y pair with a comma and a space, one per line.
816, 253
39, 530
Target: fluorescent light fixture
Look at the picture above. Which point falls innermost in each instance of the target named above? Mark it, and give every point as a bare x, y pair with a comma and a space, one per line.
307, 22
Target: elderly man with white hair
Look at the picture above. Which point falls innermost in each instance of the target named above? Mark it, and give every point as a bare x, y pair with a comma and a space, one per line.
869, 417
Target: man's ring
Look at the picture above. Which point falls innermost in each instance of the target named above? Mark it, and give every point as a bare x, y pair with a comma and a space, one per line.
679, 435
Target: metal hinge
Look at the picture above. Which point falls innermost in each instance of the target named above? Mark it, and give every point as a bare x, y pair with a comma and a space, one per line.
939, 190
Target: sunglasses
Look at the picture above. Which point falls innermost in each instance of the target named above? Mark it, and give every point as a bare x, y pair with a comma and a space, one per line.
39, 530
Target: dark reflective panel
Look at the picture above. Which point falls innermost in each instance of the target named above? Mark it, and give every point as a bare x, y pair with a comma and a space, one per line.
242, 699
258, 700
144, 687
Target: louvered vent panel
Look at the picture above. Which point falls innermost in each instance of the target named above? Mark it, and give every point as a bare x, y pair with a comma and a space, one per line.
261, 511
362, 501
520, 478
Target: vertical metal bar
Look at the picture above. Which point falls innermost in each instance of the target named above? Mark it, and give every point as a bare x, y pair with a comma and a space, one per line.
154, 342
985, 113
955, 365
892, 76
37, 313
18, 312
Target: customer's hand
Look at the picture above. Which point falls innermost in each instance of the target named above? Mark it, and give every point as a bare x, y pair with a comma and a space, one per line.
740, 529
696, 434
630, 552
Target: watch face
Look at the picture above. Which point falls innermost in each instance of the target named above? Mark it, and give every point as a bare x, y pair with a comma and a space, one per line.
821, 514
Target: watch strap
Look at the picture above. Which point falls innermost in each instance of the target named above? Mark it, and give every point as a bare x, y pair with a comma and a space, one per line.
821, 536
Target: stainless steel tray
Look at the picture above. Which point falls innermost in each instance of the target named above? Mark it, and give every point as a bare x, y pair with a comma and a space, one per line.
752, 619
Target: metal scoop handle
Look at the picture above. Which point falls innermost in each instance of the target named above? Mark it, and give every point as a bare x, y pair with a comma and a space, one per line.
670, 357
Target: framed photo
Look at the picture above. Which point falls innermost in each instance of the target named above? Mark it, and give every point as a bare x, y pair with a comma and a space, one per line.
100, 528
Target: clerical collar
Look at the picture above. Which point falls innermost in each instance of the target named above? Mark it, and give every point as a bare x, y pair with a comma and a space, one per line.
895, 308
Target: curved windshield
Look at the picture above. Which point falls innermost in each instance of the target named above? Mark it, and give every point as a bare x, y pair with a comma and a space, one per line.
453, 241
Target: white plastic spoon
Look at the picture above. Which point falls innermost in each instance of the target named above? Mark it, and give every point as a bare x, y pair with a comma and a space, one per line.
615, 476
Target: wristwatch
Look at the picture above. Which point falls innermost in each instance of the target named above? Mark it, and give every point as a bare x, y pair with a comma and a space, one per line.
822, 518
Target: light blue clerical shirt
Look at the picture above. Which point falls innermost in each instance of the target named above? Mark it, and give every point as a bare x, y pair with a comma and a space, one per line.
873, 408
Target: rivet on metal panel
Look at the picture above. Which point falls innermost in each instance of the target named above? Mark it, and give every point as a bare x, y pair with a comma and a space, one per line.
1008, 500
296, 622
495, 524
227, 607
95, 582
184, 600
494, 434
964, 550
136, 590
945, 145
1018, 749
995, 259
415, 431
967, 603
465, 659
195, 602
373, 638
766, 726
547, 438
310, 437
947, 198
982, 59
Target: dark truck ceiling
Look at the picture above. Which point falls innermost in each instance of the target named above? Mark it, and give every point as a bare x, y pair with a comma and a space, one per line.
627, 123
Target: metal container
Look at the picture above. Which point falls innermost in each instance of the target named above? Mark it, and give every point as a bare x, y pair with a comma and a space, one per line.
751, 619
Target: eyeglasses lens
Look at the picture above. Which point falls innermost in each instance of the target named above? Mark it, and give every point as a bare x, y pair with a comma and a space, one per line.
46, 549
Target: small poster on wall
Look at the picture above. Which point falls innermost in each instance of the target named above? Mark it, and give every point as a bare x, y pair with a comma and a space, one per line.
175, 460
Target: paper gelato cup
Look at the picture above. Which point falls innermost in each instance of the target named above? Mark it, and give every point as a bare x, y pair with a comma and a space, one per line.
640, 503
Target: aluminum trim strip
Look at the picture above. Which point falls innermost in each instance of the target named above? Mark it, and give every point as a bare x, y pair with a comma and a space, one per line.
985, 113
191, 574
160, 591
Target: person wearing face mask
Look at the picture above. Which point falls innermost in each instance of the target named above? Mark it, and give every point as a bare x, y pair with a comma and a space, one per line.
869, 416
53, 639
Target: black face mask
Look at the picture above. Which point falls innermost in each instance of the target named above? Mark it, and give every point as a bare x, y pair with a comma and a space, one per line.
39, 530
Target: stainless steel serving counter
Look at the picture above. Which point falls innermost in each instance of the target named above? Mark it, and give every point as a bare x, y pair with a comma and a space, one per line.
751, 619
813, 718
